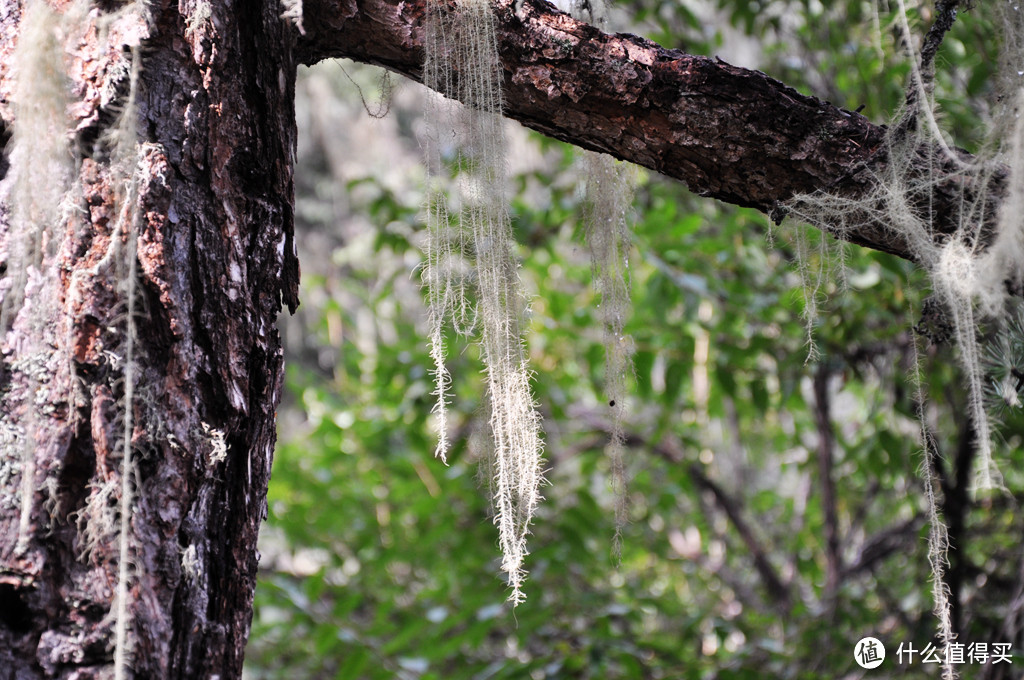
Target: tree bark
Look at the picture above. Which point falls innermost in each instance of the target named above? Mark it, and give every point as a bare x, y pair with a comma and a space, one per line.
216, 139
728, 133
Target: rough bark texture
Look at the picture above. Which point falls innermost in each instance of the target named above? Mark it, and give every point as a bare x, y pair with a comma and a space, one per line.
729, 133
216, 261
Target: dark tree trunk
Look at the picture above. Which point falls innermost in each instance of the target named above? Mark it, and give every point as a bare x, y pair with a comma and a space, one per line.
215, 261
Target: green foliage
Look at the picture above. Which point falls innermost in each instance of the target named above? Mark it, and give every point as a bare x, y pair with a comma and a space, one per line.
379, 561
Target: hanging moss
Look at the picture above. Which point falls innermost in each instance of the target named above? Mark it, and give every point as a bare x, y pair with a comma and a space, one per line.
471, 247
972, 271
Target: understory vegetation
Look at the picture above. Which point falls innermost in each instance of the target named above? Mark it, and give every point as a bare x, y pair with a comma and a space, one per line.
776, 510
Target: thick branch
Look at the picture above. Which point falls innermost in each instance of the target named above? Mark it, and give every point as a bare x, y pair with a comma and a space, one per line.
726, 132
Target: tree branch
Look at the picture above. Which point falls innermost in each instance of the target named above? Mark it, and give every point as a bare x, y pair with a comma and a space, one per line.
826, 446
897, 538
777, 590
670, 450
726, 132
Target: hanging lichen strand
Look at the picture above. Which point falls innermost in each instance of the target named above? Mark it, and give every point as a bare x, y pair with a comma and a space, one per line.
470, 240
126, 163
938, 535
972, 270
39, 152
41, 167
609, 194
43, 199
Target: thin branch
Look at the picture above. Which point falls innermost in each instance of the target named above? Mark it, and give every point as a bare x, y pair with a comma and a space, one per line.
777, 590
826, 446
738, 583
946, 10
881, 545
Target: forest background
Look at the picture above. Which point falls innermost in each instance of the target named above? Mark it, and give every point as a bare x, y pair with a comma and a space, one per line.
776, 509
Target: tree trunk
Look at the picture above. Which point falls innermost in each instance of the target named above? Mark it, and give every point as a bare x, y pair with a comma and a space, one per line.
216, 139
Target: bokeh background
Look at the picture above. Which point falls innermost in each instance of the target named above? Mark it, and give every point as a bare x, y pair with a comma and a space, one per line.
777, 512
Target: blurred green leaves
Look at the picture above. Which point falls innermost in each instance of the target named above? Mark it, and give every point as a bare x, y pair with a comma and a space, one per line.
379, 562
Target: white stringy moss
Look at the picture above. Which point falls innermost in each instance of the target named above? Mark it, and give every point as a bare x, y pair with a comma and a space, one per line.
471, 247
